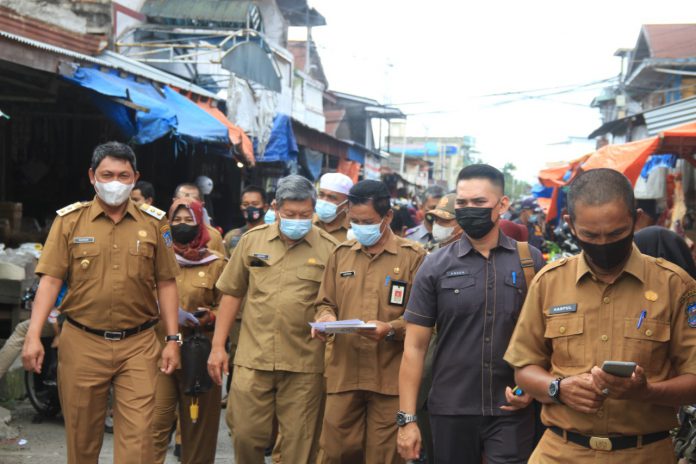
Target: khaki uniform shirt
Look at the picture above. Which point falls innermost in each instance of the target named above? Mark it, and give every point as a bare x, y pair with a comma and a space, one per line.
215, 243
339, 231
358, 286
232, 238
571, 321
280, 285
196, 285
111, 269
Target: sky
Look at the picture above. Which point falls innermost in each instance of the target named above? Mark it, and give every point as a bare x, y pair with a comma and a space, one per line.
439, 60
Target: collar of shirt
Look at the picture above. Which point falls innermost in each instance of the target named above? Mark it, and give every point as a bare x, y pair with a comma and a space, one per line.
96, 210
503, 242
311, 237
634, 266
390, 246
344, 224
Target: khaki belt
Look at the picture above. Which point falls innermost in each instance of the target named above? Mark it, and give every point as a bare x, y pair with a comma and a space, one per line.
609, 443
113, 335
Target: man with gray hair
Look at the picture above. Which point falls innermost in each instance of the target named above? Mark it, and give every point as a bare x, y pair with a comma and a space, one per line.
278, 369
429, 199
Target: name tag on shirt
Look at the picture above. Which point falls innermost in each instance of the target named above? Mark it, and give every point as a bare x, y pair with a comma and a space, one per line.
83, 240
261, 256
347, 274
457, 273
397, 293
563, 309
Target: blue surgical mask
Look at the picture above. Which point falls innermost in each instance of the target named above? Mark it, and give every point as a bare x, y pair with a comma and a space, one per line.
367, 234
269, 217
295, 229
326, 211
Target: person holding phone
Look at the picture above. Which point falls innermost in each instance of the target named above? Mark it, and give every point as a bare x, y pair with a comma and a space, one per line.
198, 300
609, 306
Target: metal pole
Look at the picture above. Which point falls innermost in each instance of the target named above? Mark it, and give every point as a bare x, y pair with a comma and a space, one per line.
403, 152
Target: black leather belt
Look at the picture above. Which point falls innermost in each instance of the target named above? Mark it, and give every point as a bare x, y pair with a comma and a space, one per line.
609, 443
114, 335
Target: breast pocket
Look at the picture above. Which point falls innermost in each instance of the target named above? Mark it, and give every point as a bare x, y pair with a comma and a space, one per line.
86, 262
566, 336
141, 263
514, 296
456, 294
648, 346
309, 279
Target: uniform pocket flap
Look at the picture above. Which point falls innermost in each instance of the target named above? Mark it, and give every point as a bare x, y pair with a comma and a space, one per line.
145, 249
85, 251
314, 273
458, 282
564, 326
650, 329
514, 282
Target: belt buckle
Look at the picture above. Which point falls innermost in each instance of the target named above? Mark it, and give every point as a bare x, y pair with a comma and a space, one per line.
113, 336
600, 443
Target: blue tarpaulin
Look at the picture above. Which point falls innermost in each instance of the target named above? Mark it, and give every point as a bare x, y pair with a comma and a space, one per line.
356, 155
282, 145
658, 161
160, 111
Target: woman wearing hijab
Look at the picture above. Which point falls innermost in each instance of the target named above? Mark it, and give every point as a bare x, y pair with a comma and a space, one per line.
200, 269
660, 242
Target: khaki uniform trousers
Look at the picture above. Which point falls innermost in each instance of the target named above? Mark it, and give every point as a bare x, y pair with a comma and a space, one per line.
199, 440
359, 427
257, 396
87, 366
552, 449
13, 346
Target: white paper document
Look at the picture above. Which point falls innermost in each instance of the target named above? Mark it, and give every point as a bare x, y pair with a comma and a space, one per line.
347, 326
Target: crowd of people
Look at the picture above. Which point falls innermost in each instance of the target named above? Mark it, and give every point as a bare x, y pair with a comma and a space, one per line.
468, 347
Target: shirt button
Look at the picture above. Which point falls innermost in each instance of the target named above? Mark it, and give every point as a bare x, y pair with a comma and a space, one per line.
606, 300
115, 266
115, 246
562, 330
649, 333
600, 413
604, 338
487, 339
485, 364
489, 313
456, 290
490, 285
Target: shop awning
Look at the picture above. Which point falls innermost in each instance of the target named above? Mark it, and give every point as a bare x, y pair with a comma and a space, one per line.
146, 112
237, 136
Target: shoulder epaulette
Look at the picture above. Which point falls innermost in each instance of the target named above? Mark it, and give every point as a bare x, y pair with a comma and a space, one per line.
70, 208
417, 246
663, 263
256, 229
347, 243
324, 234
152, 211
554, 265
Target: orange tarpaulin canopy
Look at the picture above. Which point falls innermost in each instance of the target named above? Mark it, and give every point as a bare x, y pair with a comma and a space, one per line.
554, 176
237, 136
627, 158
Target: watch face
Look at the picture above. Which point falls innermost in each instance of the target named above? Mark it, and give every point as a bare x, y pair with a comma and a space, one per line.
553, 389
400, 419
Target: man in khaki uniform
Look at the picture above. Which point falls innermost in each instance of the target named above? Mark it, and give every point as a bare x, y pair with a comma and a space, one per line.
113, 256
610, 303
368, 279
278, 367
332, 205
192, 191
445, 229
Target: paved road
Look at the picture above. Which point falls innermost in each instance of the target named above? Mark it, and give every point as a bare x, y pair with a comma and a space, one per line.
46, 442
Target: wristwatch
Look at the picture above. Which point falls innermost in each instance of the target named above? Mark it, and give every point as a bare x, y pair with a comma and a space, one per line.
174, 338
555, 390
402, 418
391, 334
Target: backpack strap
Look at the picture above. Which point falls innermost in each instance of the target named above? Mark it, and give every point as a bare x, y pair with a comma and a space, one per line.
526, 262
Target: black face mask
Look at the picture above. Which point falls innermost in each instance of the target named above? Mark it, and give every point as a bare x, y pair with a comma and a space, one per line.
476, 222
253, 214
184, 233
609, 255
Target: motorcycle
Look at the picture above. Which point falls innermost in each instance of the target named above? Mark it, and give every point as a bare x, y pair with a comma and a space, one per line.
685, 436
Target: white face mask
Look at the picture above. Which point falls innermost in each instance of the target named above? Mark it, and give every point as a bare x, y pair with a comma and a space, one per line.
440, 233
113, 193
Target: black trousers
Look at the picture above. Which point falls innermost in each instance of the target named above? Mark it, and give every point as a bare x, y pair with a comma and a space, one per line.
503, 439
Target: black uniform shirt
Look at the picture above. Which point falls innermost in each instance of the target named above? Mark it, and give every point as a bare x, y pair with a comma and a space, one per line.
475, 303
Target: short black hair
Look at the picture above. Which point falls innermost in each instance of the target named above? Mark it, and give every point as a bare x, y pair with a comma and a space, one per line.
116, 150
483, 171
599, 187
254, 189
187, 185
147, 190
374, 191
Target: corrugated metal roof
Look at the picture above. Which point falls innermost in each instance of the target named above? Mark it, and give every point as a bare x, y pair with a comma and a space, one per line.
671, 40
674, 114
116, 61
52, 48
227, 11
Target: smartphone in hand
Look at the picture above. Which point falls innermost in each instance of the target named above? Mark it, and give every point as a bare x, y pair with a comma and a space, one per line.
619, 368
